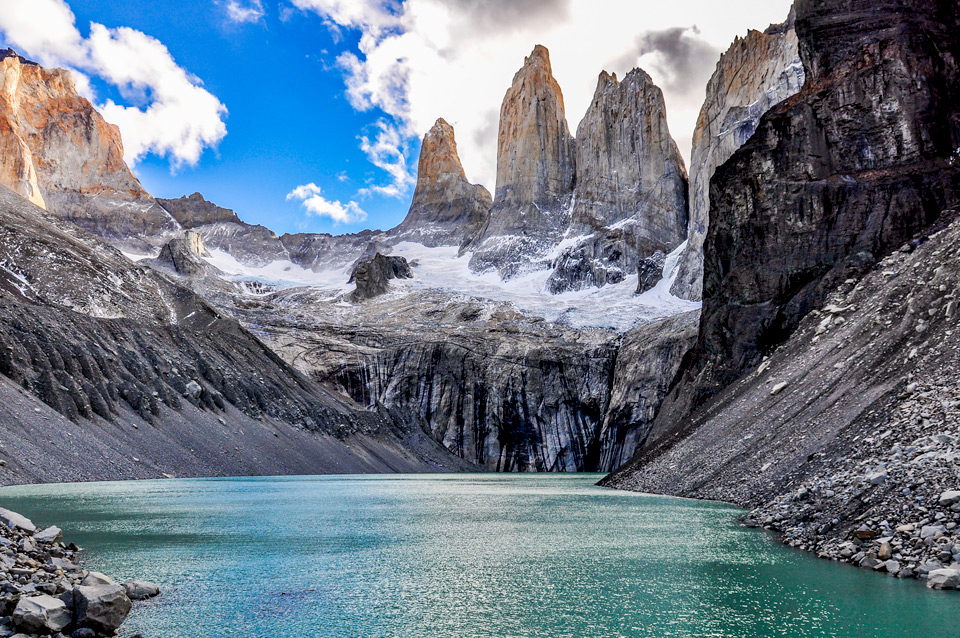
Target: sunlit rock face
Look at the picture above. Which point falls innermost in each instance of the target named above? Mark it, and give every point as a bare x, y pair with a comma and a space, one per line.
756, 73
59, 153
631, 185
536, 157
446, 208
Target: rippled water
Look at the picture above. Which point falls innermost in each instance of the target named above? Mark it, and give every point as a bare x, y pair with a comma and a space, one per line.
458, 556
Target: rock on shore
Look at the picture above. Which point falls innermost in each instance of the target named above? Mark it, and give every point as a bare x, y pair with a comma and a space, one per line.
44, 591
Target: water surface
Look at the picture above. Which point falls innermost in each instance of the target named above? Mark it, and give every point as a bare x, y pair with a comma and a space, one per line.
463, 556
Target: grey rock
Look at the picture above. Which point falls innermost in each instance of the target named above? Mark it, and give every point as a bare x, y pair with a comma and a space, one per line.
96, 578
100, 607
372, 275
41, 614
943, 579
193, 210
140, 589
650, 272
12, 519
52, 534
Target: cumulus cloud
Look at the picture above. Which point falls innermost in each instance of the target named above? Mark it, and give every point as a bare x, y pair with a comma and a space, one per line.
169, 113
313, 201
244, 13
387, 151
421, 59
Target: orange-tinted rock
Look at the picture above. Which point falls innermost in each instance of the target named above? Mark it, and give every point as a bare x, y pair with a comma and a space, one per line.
446, 207
59, 152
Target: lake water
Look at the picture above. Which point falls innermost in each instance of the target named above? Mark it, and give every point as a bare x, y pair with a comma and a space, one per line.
461, 556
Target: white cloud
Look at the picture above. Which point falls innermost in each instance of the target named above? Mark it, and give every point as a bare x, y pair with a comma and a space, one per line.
311, 196
388, 152
169, 112
245, 13
455, 58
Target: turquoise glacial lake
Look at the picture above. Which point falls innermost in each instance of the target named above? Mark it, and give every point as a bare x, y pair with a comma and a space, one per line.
463, 556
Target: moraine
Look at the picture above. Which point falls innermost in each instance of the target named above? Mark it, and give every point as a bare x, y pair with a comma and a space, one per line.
462, 556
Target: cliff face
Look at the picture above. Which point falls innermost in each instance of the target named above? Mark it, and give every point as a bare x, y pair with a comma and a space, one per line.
59, 153
755, 74
833, 179
446, 209
536, 161
193, 210
631, 185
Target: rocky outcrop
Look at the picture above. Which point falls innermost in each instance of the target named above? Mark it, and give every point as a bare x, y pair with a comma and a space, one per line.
536, 165
845, 439
446, 209
184, 256
372, 275
755, 74
631, 185
833, 179
59, 153
193, 210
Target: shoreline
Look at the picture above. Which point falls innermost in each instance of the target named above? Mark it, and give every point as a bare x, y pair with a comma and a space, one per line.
45, 590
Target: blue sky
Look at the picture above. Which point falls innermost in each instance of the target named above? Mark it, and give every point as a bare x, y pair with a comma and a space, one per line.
288, 121
324, 101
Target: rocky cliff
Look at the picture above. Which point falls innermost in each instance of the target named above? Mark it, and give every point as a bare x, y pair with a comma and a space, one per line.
59, 153
446, 209
536, 164
630, 198
755, 74
833, 179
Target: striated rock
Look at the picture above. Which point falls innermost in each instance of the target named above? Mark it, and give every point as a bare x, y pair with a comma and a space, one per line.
647, 360
193, 210
754, 75
631, 184
831, 174
59, 153
446, 209
373, 274
536, 161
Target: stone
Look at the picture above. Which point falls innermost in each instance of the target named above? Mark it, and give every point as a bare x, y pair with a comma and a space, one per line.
102, 608
96, 578
12, 519
876, 478
886, 551
949, 498
931, 531
83, 632
446, 208
52, 534
778, 388
41, 614
943, 579
141, 589
193, 389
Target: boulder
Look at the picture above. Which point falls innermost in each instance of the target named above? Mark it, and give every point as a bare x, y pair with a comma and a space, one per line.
949, 498
102, 608
943, 579
52, 534
12, 519
96, 578
41, 615
140, 589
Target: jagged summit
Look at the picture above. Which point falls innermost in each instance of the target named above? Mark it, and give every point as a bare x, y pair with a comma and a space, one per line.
10, 53
446, 207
